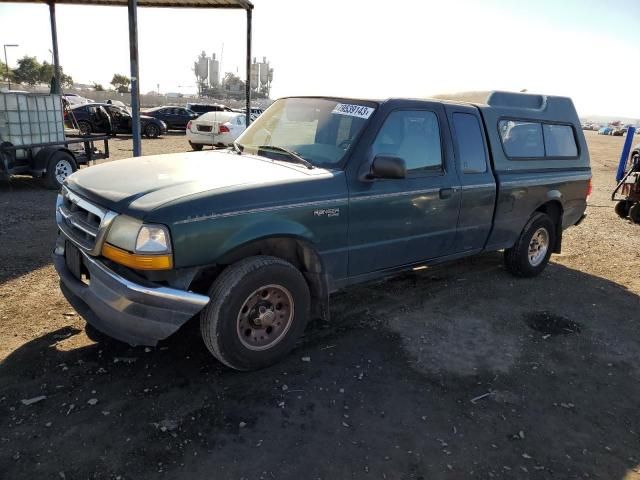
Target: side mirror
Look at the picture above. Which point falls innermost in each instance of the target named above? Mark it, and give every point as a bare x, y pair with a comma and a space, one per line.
386, 166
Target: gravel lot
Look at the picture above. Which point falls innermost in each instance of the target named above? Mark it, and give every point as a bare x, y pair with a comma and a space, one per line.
460, 371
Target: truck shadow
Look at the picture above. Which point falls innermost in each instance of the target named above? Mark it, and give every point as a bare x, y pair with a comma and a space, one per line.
445, 373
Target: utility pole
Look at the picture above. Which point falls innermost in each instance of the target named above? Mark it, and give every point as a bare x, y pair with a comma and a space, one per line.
6, 62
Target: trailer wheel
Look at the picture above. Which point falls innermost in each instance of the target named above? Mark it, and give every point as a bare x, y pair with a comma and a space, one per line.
59, 167
622, 208
531, 253
634, 212
259, 309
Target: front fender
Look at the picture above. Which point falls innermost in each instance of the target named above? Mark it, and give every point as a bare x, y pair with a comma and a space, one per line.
263, 229
205, 242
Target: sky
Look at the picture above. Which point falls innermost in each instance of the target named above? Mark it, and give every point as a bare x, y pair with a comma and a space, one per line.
585, 49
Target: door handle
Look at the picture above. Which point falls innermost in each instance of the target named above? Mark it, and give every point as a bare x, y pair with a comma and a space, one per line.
446, 193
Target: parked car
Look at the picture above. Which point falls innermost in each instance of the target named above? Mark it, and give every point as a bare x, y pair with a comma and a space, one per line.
215, 128
255, 112
318, 194
118, 103
90, 121
176, 118
75, 99
605, 131
618, 131
201, 108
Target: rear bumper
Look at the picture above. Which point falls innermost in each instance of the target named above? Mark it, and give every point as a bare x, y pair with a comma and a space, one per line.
209, 138
127, 311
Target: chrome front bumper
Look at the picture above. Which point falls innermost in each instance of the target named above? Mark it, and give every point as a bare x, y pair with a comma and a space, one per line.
133, 313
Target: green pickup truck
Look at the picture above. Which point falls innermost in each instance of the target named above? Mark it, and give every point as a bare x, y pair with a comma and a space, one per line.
319, 193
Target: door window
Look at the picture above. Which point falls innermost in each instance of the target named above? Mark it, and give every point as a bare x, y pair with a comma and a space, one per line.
414, 136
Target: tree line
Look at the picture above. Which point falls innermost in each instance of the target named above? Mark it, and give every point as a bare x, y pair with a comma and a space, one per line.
31, 72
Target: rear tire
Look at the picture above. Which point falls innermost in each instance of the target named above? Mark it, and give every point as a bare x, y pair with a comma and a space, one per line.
259, 309
634, 212
531, 253
196, 146
622, 208
60, 166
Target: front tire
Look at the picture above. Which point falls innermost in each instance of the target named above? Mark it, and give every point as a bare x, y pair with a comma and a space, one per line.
60, 166
152, 131
259, 309
531, 253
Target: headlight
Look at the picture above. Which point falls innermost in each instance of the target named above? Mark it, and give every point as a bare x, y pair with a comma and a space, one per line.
133, 244
153, 239
123, 232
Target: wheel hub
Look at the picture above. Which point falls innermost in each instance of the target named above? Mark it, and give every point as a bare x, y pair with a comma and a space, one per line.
538, 246
62, 170
265, 317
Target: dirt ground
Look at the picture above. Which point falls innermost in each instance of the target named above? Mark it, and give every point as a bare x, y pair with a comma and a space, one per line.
460, 371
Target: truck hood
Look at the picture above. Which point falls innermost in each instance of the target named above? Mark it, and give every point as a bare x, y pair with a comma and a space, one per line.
140, 185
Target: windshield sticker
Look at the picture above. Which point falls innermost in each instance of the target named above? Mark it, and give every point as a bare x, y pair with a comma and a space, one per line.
359, 111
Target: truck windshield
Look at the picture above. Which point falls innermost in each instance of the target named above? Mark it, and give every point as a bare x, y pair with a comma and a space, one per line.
321, 131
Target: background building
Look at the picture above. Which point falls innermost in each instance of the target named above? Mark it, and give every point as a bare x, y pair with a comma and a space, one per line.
212, 83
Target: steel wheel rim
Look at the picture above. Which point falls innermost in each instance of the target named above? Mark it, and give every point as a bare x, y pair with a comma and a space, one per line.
265, 317
63, 170
538, 246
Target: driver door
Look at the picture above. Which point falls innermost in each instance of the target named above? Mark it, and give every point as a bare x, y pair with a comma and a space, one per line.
396, 222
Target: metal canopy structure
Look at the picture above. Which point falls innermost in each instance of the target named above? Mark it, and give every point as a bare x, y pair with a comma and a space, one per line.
132, 6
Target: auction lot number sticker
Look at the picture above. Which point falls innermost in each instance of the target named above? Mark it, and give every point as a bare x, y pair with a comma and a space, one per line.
359, 111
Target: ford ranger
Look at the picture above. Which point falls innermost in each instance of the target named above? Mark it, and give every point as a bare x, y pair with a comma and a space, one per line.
317, 194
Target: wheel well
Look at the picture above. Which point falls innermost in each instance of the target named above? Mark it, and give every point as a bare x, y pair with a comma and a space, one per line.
555, 211
296, 251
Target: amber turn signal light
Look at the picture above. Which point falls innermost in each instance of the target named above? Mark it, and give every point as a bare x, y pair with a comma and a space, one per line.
135, 261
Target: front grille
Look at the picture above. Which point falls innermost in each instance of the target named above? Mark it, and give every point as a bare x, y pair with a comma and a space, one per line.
82, 222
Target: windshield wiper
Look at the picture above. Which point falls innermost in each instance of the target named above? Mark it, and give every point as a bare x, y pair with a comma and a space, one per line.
292, 155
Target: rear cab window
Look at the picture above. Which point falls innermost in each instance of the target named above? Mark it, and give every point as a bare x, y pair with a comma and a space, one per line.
523, 139
470, 143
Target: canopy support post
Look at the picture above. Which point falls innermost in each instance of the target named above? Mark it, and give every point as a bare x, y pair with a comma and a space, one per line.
248, 79
135, 88
54, 43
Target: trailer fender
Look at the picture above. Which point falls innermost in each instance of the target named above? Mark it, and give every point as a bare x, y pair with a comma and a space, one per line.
41, 159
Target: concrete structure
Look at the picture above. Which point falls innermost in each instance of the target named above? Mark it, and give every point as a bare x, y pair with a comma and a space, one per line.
214, 72
261, 77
